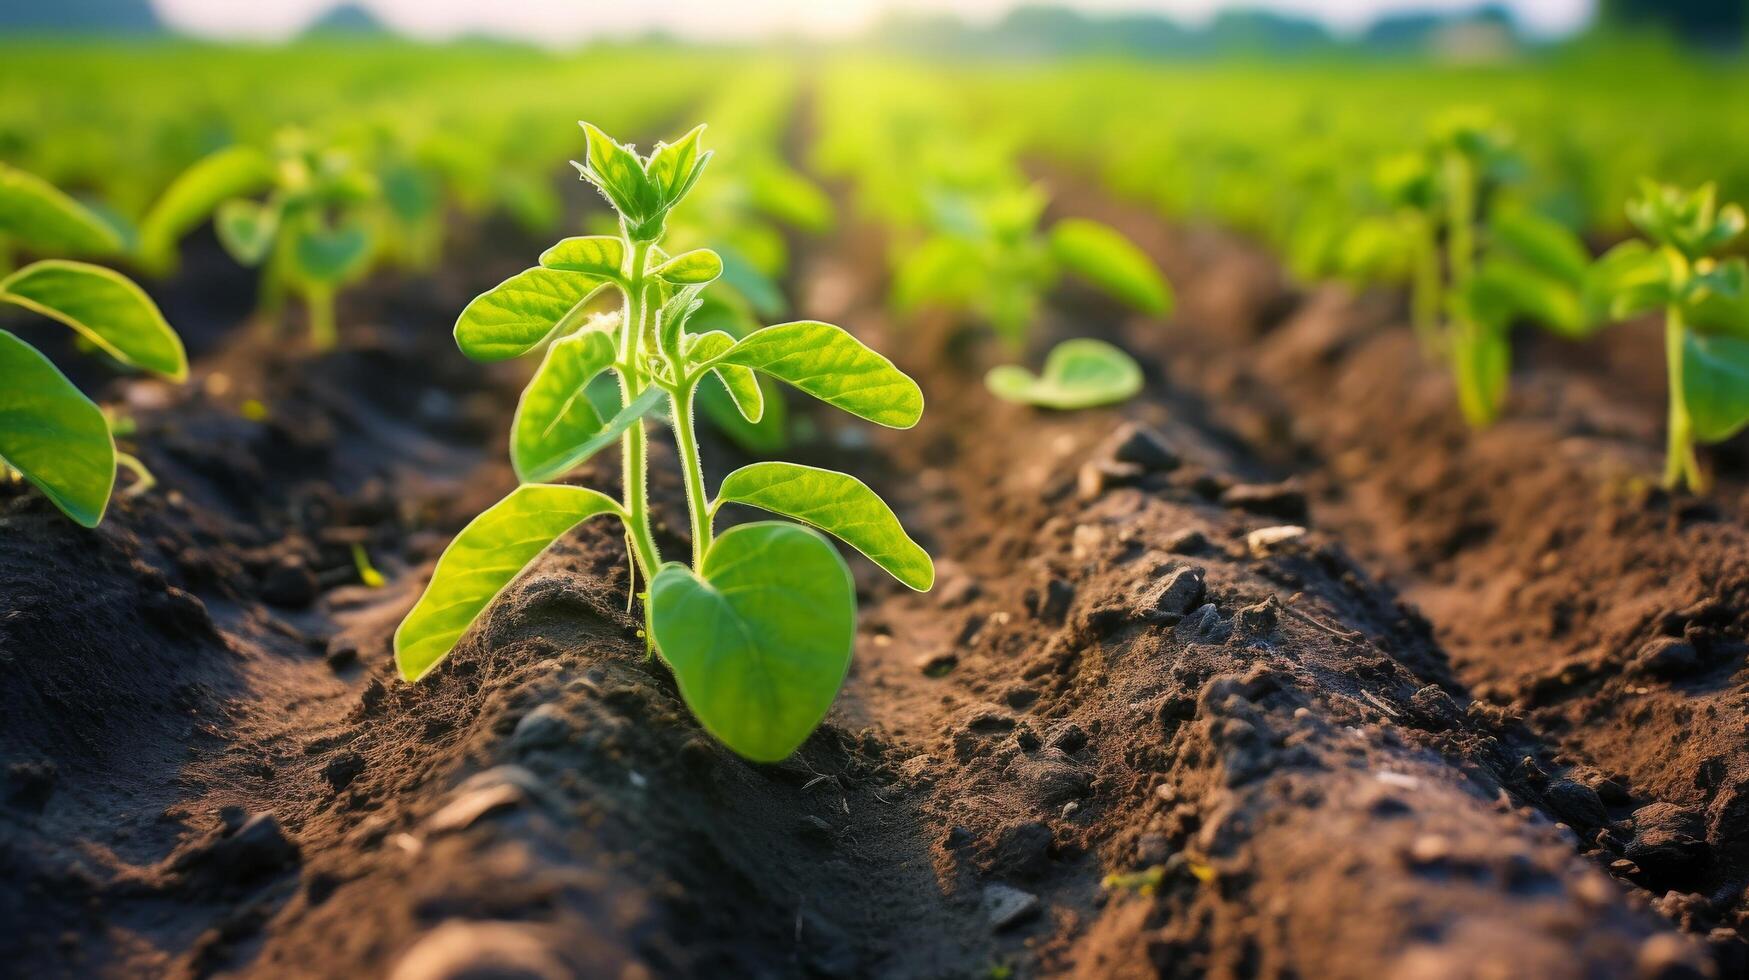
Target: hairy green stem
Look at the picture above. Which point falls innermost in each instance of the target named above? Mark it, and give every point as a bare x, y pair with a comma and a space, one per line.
143, 478
634, 460
697, 504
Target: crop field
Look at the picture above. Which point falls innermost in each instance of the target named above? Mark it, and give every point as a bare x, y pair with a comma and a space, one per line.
670, 509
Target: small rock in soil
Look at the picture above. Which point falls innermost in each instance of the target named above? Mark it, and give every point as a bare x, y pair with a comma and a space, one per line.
1668, 956
1666, 657
1143, 446
463, 950
1187, 542
1257, 621
1266, 541
1283, 500
484, 793
342, 652
938, 664
543, 728
1022, 850
1101, 475
257, 847
1005, 906
289, 583
1576, 803
1174, 595
1668, 839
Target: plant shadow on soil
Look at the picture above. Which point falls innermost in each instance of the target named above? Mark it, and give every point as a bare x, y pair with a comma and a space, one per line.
212, 769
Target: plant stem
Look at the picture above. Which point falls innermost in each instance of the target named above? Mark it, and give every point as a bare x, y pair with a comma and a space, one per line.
1680, 464
1424, 295
697, 504
634, 461
320, 300
143, 478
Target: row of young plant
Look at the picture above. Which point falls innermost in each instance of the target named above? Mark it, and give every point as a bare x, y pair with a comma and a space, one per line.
319, 185
1486, 217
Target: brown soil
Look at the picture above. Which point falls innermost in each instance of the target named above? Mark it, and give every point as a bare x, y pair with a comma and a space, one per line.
211, 769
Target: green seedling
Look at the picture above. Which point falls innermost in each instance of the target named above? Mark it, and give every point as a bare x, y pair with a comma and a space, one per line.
50, 433
987, 257
1080, 373
758, 628
311, 233
1705, 300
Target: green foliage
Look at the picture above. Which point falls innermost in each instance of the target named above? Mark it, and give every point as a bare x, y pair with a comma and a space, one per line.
1705, 300
1080, 373
1103, 257
52, 434
758, 629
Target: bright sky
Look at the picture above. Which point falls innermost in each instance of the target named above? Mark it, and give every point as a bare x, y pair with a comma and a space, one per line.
564, 21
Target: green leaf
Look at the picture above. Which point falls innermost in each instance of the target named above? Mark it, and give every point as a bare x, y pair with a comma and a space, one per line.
1080, 373
53, 434
1715, 384
105, 307
610, 431
1627, 281
739, 383
1105, 258
942, 271
601, 256
489, 553
554, 414
246, 229
840, 505
236, 171
675, 167
830, 364
332, 255
1481, 368
786, 195
515, 316
761, 641
618, 173
1545, 246
39, 216
1503, 290
754, 286
694, 268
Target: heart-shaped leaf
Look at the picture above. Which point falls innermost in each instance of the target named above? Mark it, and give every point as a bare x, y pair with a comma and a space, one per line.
761, 640
53, 434
332, 255
106, 307
489, 553
555, 415
246, 229
1105, 258
830, 364
515, 316
601, 256
1080, 373
36, 213
840, 505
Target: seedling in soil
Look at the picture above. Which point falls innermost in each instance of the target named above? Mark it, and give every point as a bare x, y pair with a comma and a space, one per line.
759, 627
311, 233
50, 433
1080, 373
1705, 300
987, 257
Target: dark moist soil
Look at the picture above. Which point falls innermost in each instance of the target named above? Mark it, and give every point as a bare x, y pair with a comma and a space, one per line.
1142, 726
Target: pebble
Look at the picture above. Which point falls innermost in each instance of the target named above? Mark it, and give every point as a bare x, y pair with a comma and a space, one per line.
938, 664
484, 793
1100, 475
289, 583
1577, 803
1187, 542
1143, 446
544, 727
1666, 657
1005, 906
1173, 596
1267, 541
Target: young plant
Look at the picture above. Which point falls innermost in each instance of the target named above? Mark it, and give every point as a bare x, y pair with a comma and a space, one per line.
1705, 299
311, 233
758, 628
50, 433
1079, 373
